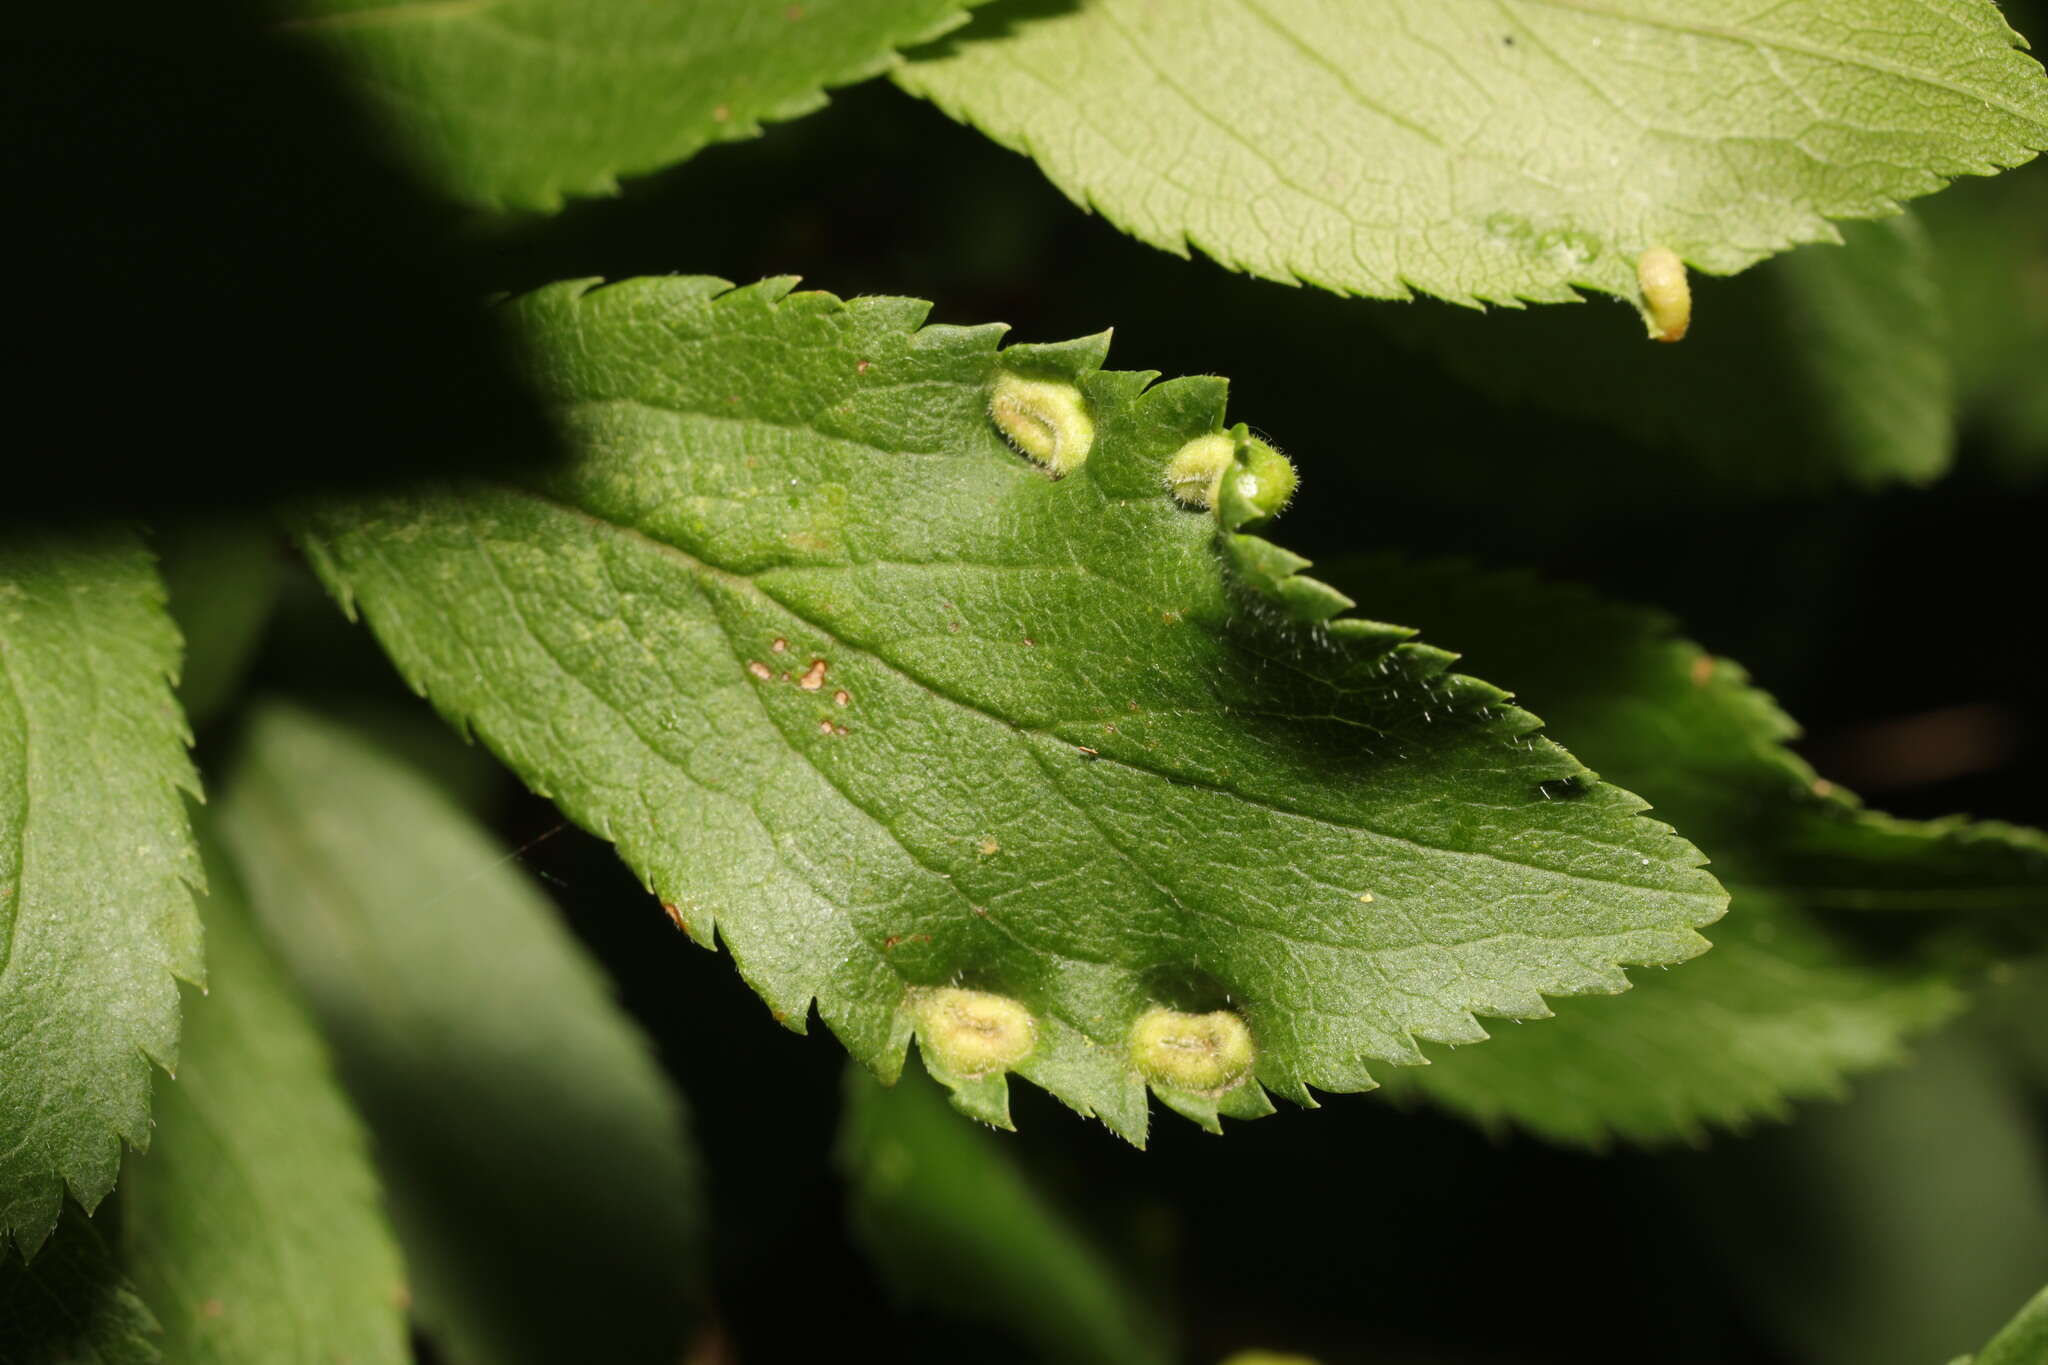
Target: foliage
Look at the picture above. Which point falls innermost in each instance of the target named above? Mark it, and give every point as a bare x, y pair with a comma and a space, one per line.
963, 689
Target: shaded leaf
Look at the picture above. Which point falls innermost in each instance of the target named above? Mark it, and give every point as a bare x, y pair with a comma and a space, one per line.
854, 684
1991, 247
1491, 151
951, 1220
70, 1305
537, 1168
522, 103
97, 867
1822, 367
1897, 1229
254, 1224
1792, 998
224, 578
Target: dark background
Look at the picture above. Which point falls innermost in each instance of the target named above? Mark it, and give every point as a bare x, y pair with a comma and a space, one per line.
263, 319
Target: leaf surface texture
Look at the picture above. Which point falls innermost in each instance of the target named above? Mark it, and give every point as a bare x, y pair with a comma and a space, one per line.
1491, 150
97, 867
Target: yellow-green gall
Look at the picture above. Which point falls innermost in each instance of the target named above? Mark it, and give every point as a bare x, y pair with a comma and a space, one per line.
973, 1033
1046, 420
1196, 469
1667, 294
1196, 472
1206, 1054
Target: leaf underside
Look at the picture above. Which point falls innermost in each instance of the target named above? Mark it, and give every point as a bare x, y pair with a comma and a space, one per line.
855, 685
1794, 998
519, 104
1491, 150
97, 868
254, 1224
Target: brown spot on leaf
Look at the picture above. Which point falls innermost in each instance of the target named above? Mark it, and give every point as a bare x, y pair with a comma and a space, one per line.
842, 697
212, 1308
719, 113
1702, 670
814, 677
780, 645
675, 915
760, 670
988, 848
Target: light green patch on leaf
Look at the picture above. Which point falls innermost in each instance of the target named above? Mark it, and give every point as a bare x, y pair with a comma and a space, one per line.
1491, 150
1791, 1000
951, 1221
70, 1306
864, 692
97, 868
2023, 1341
536, 1160
1824, 367
254, 1223
520, 104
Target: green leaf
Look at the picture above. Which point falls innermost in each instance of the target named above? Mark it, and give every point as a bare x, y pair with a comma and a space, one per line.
538, 1172
950, 1219
97, 868
223, 576
520, 103
254, 1224
70, 1305
1896, 1229
1825, 366
1992, 255
1491, 152
2023, 1341
851, 682
1790, 1000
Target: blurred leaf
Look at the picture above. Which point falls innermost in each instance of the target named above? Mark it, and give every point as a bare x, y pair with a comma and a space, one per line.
70, 1305
1898, 1229
2023, 1341
234, 293
950, 1220
254, 1225
538, 1172
520, 103
1991, 249
1491, 152
1823, 366
1791, 999
97, 868
847, 678
223, 578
